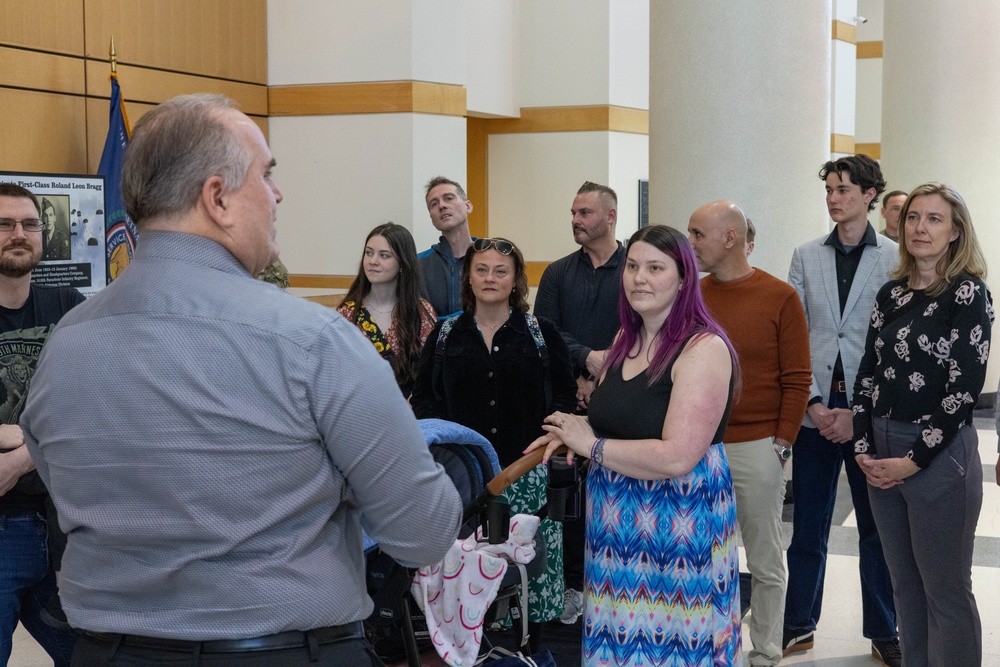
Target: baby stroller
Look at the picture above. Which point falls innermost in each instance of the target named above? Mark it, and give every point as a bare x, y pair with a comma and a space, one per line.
395, 628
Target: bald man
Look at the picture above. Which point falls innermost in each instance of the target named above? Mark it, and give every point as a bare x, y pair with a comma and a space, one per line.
764, 319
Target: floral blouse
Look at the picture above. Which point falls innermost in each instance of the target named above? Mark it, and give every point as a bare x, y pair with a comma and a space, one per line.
384, 341
926, 365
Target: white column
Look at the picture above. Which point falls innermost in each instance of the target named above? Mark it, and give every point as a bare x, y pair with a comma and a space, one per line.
844, 85
740, 109
573, 54
344, 173
941, 109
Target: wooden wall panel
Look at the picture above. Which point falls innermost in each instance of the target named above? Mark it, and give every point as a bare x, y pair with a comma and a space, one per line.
47, 25
154, 86
477, 175
845, 32
601, 118
373, 97
321, 281
49, 134
218, 38
869, 49
41, 71
97, 125
58, 100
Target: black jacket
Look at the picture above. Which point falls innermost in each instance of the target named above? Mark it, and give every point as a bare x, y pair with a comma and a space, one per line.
498, 393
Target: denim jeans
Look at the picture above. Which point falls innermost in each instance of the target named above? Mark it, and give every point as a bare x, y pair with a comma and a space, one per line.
816, 464
27, 581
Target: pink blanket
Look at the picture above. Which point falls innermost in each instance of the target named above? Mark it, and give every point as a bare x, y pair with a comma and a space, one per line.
455, 594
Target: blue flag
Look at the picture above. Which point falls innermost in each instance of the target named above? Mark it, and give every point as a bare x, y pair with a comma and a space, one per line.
121, 232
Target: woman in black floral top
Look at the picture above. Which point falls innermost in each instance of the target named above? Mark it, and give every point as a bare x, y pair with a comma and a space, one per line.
923, 368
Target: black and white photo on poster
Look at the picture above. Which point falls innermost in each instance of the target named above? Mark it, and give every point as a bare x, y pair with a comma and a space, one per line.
73, 240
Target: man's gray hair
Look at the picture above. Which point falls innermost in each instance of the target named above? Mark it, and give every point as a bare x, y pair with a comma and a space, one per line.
174, 149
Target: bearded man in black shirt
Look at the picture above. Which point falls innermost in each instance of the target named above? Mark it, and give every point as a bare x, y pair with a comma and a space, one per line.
30, 541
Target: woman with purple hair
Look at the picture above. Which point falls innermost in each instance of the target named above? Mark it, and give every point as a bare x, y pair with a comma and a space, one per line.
661, 566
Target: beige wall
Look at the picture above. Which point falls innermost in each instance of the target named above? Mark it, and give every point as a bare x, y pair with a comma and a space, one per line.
54, 71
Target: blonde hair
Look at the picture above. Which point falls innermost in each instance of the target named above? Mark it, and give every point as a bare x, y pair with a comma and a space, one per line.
964, 254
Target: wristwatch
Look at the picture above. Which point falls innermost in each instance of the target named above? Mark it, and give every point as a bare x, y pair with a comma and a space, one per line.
784, 453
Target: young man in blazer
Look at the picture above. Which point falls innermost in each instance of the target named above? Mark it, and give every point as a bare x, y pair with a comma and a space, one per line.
837, 277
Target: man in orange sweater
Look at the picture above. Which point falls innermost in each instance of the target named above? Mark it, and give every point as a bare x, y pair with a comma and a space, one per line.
764, 319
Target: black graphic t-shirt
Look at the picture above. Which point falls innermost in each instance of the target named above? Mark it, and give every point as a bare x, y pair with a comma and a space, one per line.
23, 332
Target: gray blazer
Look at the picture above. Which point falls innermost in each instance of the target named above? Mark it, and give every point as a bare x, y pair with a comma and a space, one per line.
813, 274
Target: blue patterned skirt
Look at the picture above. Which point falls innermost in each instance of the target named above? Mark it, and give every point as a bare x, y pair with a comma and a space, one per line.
662, 570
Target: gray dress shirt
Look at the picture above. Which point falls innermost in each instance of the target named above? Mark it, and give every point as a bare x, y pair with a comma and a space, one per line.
215, 446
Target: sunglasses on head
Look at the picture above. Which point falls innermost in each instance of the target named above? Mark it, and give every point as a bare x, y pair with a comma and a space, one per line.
501, 246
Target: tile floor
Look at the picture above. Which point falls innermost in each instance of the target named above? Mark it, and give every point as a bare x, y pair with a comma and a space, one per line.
839, 642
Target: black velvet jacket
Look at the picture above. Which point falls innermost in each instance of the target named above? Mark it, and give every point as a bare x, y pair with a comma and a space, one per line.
499, 393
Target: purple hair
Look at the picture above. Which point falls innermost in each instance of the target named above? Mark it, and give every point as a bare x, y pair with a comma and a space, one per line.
688, 316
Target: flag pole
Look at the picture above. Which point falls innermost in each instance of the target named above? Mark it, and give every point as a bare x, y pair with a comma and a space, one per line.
121, 233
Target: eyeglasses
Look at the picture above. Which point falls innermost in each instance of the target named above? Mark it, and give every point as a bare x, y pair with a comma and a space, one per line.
28, 225
501, 246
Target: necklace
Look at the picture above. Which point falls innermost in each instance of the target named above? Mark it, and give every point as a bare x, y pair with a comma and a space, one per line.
491, 327
383, 311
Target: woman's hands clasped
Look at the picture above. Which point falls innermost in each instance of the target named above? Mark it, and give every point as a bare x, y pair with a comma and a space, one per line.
886, 473
564, 429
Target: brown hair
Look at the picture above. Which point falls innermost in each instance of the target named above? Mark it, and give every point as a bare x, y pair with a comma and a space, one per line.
441, 180
864, 172
518, 295
15, 190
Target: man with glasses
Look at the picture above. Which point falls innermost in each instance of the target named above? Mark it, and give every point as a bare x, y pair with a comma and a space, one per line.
441, 264
579, 294
30, 541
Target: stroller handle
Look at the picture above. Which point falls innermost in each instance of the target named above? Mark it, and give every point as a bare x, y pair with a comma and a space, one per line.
511, 473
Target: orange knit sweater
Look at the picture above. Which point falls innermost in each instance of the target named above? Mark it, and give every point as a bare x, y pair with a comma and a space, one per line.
764, 319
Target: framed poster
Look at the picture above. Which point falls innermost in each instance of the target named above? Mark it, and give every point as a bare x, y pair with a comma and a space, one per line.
73, 235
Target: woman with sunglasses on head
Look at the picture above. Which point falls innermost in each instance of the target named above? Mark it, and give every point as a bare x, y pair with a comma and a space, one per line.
660, 562
384, 301
499, 371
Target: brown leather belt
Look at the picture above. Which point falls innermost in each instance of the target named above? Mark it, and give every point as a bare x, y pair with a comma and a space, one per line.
839, 387
290, 639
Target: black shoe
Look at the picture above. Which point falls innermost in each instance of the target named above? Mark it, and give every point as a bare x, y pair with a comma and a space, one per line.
888, 652
746, 585
796, 640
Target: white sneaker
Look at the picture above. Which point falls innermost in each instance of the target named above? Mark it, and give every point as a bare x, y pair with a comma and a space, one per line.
573, 606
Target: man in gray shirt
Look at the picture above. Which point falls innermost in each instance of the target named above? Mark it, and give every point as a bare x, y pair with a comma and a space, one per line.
214, 445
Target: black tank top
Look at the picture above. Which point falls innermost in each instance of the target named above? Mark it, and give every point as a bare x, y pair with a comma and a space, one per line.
632, 410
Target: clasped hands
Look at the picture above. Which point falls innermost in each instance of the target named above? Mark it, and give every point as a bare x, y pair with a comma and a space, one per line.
886, 473
836, 425
562, 428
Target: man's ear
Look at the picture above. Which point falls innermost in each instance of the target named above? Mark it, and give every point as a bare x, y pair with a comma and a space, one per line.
612, 215
214, 198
